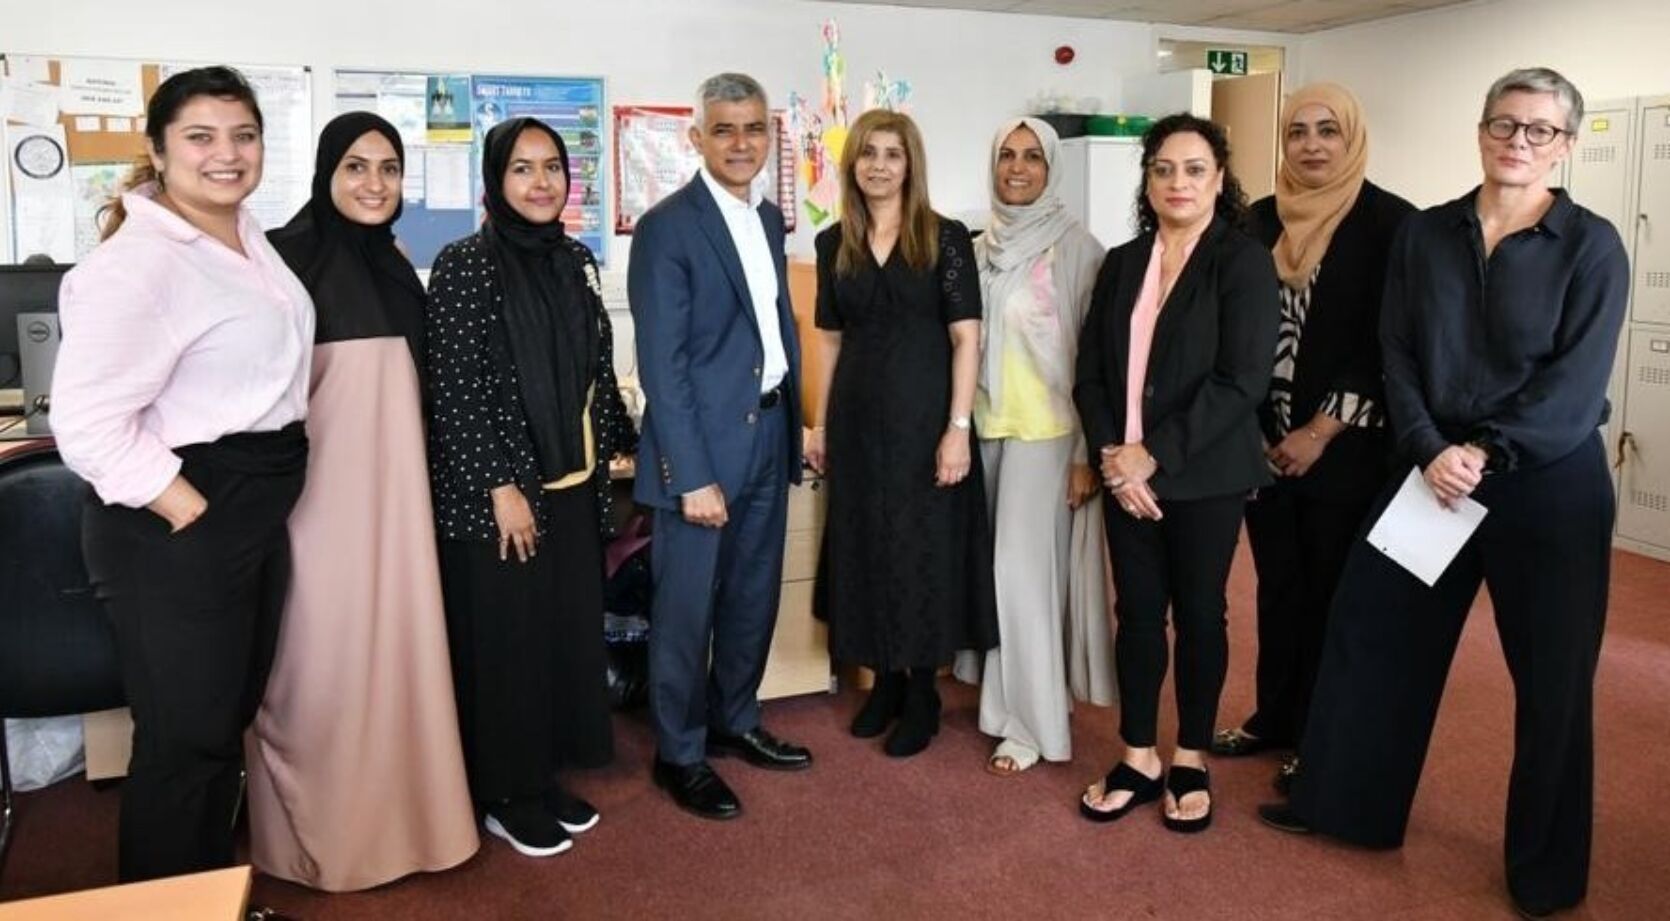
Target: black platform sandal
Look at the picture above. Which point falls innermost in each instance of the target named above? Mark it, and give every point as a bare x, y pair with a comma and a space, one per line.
1143, 789
1180, 782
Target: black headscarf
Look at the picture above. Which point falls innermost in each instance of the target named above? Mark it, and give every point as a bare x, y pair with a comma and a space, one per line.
550, 313
362, 287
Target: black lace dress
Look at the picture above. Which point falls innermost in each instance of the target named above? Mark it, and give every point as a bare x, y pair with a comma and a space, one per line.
905, 578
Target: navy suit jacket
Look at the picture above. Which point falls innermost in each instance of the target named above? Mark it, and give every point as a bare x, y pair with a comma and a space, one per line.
699, 350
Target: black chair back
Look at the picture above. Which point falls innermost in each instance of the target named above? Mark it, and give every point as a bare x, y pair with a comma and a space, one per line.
57, 646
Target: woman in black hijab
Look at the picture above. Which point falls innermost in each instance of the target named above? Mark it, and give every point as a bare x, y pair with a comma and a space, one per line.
358, 723
524, 414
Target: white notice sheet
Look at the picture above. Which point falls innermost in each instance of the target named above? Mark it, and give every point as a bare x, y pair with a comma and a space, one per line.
1420, 534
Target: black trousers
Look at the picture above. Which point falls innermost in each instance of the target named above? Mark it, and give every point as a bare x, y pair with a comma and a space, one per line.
1300, 538
1181, 562
528, 661
1544, 551
196, 616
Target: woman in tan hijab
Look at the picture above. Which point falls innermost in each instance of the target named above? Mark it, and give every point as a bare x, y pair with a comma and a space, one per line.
1324, 421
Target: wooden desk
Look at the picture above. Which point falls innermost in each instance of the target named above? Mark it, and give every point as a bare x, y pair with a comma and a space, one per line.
218, 895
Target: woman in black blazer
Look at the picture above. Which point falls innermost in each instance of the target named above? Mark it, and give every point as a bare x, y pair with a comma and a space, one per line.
1174, 360
1324, 419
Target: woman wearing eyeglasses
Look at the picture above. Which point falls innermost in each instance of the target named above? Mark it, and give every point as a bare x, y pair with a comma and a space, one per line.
1501, 317
1173, 361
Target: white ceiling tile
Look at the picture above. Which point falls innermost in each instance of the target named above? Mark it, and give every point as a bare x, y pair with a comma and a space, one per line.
1265, 15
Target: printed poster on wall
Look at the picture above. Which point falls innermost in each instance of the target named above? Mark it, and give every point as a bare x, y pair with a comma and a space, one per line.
447, 109
573, 106
654, 157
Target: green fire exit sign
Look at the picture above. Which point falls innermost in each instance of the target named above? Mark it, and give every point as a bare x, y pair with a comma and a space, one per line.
1225, 61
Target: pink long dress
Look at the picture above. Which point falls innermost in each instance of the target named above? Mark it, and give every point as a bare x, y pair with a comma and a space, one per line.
356, 775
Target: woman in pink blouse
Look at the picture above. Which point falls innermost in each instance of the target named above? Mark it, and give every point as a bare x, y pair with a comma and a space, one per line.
180, 391
1173, 362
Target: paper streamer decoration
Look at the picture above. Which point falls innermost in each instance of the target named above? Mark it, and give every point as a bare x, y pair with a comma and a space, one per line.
882, 93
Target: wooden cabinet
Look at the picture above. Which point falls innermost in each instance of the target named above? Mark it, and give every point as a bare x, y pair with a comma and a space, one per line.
799, 661
803, 294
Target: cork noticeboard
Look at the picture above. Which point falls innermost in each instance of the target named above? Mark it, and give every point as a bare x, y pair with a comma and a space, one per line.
76, 124
104, 145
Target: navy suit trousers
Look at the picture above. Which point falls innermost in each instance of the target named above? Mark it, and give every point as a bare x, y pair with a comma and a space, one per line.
716, 591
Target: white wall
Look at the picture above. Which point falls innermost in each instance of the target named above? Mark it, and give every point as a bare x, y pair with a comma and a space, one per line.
969, 70
1422, 77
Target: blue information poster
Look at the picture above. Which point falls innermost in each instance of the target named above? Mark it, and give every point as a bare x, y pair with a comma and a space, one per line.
574, 107
443, 118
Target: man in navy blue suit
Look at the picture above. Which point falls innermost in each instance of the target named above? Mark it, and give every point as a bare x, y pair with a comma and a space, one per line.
720, 366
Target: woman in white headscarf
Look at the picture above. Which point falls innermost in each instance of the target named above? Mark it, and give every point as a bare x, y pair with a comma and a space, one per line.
1037, 267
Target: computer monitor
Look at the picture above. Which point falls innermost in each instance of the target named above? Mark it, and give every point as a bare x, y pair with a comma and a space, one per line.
23, 289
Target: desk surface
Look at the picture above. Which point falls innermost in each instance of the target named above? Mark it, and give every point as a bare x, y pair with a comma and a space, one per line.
219, 895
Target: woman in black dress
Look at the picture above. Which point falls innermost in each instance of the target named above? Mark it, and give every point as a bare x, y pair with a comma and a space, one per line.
524, 414
906, 574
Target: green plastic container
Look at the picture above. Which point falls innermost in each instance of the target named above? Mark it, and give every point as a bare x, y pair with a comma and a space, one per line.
1120, 126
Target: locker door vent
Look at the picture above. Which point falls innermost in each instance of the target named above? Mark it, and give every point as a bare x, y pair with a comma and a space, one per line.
1649, 374
1661, 151
1651, 501
1656, 279
1607, 154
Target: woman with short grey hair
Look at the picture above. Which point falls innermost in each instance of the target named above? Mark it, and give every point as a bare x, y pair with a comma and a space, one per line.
1501, 316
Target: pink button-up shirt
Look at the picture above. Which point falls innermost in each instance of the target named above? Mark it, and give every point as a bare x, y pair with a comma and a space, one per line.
1144, 316
171, 338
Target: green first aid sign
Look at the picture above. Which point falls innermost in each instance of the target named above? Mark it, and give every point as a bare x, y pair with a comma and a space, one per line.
1224, 61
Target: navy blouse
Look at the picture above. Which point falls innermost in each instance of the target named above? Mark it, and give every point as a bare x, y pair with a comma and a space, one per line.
1511, 352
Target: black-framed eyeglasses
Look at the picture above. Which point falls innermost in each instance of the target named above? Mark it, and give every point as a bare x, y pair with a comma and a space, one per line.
1537, 134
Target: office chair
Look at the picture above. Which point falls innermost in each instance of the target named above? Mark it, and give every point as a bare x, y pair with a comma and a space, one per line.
57, 647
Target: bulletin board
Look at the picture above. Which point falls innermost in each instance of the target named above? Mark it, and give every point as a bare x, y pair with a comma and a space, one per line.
654, 157
73, 126
443, 119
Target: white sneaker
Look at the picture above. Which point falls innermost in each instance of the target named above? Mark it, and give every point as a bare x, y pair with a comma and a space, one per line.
535, 834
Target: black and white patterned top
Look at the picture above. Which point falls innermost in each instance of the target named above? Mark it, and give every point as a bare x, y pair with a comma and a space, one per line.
1353, 409
478, 433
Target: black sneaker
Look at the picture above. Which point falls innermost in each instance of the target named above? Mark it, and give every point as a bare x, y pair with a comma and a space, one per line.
531, 830
573, 813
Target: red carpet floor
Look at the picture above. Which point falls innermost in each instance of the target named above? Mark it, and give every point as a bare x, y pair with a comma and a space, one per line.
864, 836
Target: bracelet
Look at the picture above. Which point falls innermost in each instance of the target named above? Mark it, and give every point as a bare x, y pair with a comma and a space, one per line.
961, 423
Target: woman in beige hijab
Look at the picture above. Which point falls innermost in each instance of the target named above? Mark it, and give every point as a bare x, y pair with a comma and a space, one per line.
1324, 421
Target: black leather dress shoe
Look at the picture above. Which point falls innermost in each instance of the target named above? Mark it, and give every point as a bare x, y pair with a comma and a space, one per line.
697, 789
1237, 743
759, 748
1282, 817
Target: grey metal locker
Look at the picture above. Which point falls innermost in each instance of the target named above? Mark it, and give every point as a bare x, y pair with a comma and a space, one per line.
1600, 175
1652, 236
1644, 494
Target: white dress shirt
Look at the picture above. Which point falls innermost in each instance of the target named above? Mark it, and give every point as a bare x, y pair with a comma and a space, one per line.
742, 218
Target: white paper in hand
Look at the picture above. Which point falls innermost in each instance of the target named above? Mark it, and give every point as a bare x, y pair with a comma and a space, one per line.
1418, 533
